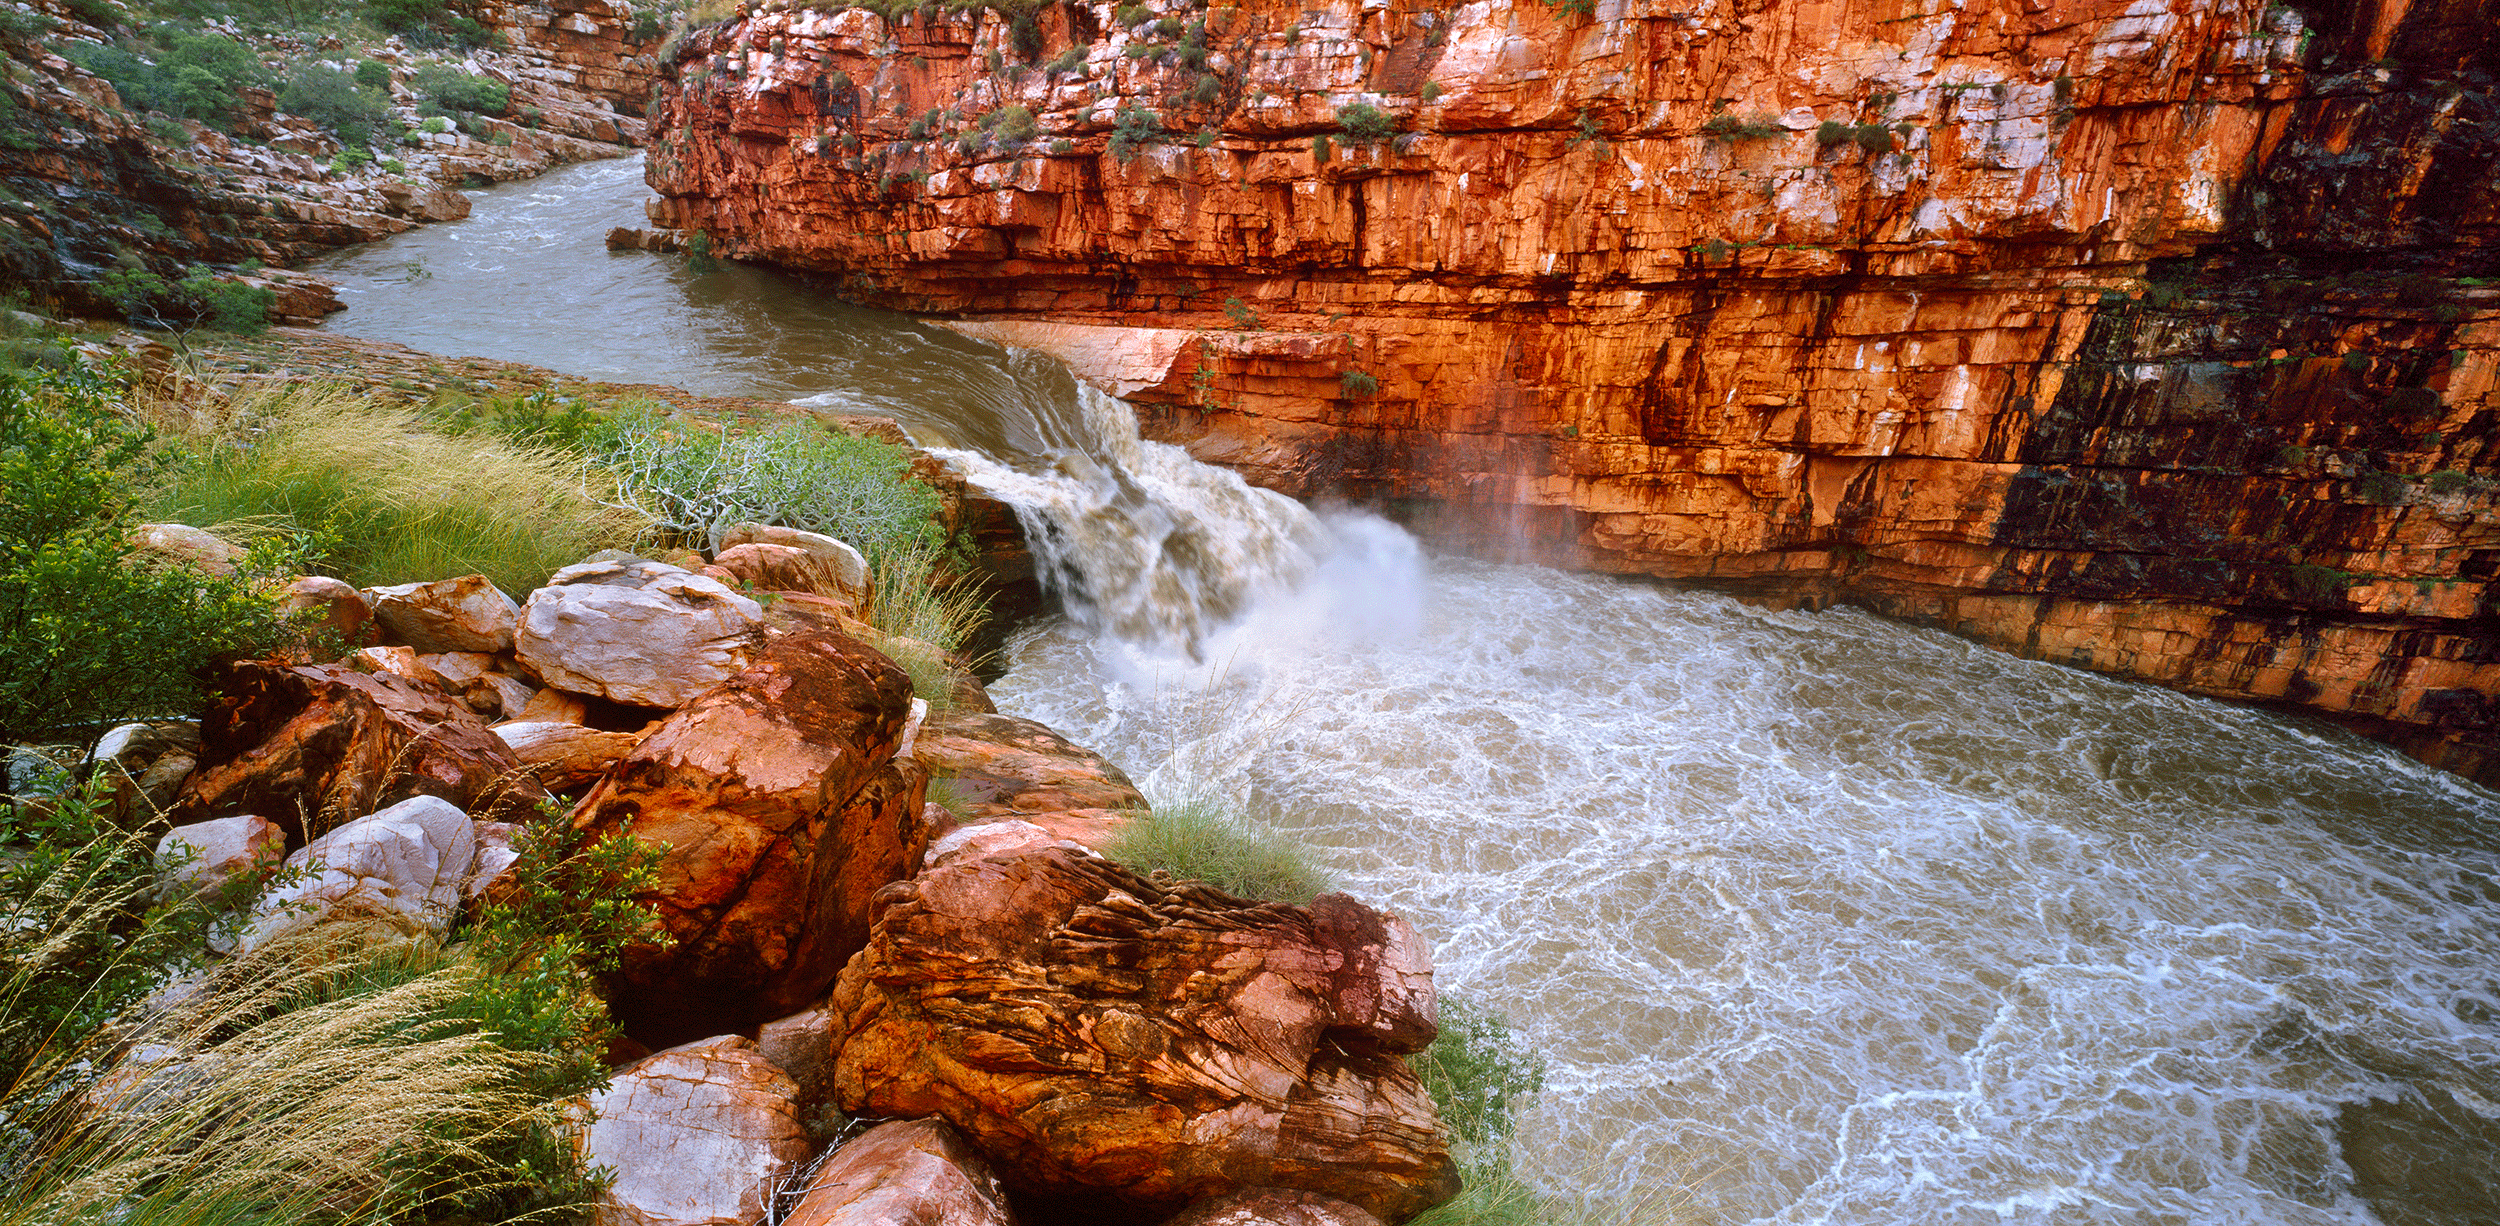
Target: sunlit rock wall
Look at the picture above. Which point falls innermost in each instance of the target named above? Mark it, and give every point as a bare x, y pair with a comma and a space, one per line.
2156, 338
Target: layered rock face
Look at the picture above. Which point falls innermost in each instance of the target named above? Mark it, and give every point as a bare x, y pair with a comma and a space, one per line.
2148, 337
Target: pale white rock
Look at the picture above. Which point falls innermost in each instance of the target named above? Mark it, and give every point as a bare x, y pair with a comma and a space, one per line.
911, 728
698, 1136
396, 661
199, 857
182, 544
645, 633
495, 857
904, 1173
403, 866
463, 614
986, 839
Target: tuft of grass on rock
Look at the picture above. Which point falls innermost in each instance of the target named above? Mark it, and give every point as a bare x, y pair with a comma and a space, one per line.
1201, 839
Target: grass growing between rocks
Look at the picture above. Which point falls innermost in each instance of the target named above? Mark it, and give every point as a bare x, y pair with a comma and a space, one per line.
1200, 839
346, 1075
385, 498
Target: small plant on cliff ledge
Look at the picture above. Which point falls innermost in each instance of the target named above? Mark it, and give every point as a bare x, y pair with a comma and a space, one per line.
1240, 313
1728, 128
1358, 383
1573, 8
1134, 129
1364, 124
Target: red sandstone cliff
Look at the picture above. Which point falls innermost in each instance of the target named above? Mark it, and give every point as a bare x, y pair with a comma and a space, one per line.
2151, 336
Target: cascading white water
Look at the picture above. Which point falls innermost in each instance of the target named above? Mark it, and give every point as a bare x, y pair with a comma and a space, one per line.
1819, 919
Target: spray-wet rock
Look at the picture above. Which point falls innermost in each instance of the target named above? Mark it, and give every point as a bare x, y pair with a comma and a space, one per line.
1123, 1047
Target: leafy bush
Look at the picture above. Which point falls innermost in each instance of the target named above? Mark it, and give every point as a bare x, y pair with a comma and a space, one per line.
1831, 132
1068, 61
1358, 383
1130, 14
1321, 150
373, 74
1199, 839
102, 14
462, 91
386, 499
1365, 124
195, 76
1132, 130
1012, 124
1430, 92
335, 100
695, 481
89, 635
24, 24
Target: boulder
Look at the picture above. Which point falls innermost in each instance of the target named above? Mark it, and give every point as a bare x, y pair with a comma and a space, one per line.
1120, 1047
183, 545
565, 756
904, 1173
463, 614
139, 768
698, 1135
1273, 1207
781, 810
495, 857
398, 662
644, 633
202, 856
292, 742
423, 201
1001, 766
832, 567
802, 1046
779, 568
332, 604
553, 706
401, 869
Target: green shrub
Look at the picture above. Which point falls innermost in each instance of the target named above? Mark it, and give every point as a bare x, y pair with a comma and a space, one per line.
1132, 130
2383, 489
1130, 14
24, 24
373, 74
1430, 92
2290, 456
1321, 151
1874, 138
1364, 124
389, 499
335, 100
1068, 61
1199, 839
102, 14
1012, 124
646, 27
1240, 313
695, 482
1062, 147
1831, 132
195, 76
461, 91
89, 634
1169, 27
1358, 383
1729, 129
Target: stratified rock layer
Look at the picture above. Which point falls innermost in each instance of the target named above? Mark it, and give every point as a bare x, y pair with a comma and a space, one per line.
1120, 1047
2146, 337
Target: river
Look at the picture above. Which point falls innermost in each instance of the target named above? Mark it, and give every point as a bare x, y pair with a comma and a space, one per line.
1817, 918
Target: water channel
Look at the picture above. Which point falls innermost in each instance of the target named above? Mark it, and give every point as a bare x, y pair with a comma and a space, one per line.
1817, 918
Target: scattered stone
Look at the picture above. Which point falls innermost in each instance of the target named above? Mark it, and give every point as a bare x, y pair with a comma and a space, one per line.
834, 568
566, 756
1124, 1047
1002, 767
904, 1173
141, 767
292, 742
698, 1136
183, 545
782, 810
202, 856
332, 603
644, 633
463, 614
402, 869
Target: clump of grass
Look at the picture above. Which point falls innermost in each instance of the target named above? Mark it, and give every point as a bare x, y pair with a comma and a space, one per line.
387, 499
694, 480
1200, 839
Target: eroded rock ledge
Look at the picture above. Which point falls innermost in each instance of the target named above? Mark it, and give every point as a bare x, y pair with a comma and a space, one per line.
2150, 338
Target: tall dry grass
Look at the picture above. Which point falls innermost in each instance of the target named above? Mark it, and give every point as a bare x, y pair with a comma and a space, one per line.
387, 499
319, 1080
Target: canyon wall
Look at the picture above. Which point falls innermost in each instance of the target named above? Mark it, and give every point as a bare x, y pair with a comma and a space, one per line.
2157, 337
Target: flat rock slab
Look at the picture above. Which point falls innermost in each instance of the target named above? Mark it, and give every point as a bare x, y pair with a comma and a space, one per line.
1120, 1048
643, 633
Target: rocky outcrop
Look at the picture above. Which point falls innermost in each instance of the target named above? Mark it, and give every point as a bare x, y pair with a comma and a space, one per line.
781, 810
698, 1135
643, 633
904, 1173
401, 870
306, 745
1000, 767
464, 614
1120, 1047
2150, 338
